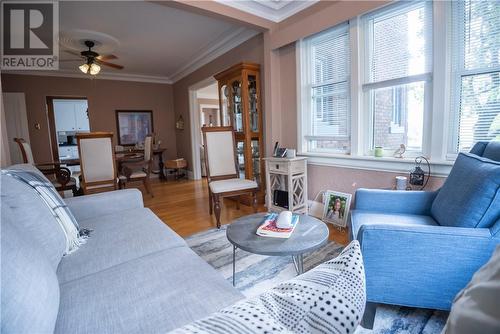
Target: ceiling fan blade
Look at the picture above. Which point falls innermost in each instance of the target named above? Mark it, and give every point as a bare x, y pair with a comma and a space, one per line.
106, 57
74, 53
105, 63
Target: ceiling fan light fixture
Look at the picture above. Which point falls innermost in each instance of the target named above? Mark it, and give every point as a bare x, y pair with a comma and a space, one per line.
94, 69
84, 68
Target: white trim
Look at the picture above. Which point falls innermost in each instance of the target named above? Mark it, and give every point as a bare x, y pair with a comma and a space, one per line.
101, 76
384, 164
194, 124
439, 123
275, 12
357, 133
216, 49
427, 77
208, 96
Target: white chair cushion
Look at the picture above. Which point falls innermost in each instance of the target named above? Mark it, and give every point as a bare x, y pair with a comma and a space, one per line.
135, 174
97, 161
223, 186
220, 153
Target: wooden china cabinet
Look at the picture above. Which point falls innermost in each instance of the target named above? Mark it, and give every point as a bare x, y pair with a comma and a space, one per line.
240, 107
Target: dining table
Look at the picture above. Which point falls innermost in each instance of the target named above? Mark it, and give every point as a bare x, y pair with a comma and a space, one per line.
128, 155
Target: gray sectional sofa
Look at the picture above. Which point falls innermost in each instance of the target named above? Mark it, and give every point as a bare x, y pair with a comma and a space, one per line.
134, 274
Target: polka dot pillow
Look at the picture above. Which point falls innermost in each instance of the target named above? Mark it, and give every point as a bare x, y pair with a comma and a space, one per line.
327, 299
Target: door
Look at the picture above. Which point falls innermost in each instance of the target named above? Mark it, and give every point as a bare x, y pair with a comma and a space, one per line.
64, 112
81, 116
67, 116
16, 120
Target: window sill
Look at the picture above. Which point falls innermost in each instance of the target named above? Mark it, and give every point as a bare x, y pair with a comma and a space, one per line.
385, 164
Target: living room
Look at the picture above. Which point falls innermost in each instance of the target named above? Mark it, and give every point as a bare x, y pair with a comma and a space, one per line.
373, 127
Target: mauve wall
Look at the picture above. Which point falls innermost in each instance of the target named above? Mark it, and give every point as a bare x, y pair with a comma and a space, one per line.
104, 97
249, 51
348, 179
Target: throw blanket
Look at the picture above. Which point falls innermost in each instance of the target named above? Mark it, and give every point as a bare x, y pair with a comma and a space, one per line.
327, 299
44, 188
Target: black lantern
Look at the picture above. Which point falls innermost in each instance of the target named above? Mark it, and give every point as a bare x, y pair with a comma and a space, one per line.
417, 176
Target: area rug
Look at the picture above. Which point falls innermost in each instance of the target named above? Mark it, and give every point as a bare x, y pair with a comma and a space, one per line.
258, 273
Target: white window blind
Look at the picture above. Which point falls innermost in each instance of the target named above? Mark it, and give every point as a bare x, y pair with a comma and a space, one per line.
476, 73
398, 68
329, 72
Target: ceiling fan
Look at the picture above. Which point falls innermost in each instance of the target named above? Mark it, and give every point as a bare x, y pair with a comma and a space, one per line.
94, 59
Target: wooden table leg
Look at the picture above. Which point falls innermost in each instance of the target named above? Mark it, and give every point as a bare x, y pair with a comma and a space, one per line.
161, 165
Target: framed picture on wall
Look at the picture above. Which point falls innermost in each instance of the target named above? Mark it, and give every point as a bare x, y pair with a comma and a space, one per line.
133, 126
336, 207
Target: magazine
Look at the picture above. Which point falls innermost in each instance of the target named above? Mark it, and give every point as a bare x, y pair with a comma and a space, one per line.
269, 228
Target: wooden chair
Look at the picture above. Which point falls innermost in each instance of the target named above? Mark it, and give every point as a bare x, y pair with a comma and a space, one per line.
60, 176
140, 170
222, 169
97, 162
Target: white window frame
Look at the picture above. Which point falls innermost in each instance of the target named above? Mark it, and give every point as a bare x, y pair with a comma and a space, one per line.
304, 93
456, 75
437, 111
368, 87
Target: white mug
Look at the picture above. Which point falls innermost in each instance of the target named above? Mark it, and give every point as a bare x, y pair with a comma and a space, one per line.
290, 153
401, 182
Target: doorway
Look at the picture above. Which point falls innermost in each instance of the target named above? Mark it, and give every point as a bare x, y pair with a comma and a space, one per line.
204, 111
67, 117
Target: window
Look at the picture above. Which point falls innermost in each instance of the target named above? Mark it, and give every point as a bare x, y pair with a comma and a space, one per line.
475, 73
398, 63
425, 74
327, 64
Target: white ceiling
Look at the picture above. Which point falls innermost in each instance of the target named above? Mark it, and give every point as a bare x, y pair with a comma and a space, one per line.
154, 42
274, 10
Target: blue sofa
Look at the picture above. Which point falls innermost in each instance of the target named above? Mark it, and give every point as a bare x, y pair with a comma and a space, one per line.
421, 248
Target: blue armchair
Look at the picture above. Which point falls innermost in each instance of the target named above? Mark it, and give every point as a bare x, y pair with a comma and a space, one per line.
421, 248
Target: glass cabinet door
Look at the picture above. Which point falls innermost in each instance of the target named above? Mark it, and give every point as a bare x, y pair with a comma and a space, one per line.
256, 161
236, 106
240, 153
252, 100
225, 117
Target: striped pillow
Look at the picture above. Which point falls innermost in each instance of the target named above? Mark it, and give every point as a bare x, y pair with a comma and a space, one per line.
44, 188
327, 299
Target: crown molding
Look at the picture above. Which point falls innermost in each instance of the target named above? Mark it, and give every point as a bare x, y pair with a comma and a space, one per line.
103, 76
216, 49
269, 10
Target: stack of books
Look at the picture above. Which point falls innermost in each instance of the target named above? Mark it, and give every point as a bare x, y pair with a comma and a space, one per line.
269, 228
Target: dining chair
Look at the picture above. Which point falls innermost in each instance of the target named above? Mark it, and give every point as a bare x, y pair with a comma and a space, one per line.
139, 170
222, 169
60, 176
97, 161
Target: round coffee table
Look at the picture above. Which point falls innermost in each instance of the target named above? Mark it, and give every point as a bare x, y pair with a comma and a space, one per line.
309, 234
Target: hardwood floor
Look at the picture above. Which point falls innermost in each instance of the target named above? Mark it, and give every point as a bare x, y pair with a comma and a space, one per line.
183, 205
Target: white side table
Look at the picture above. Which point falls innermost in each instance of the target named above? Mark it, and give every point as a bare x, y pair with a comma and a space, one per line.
289, 175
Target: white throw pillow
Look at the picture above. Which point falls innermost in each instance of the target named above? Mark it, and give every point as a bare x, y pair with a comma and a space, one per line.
476, 309
327, 299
